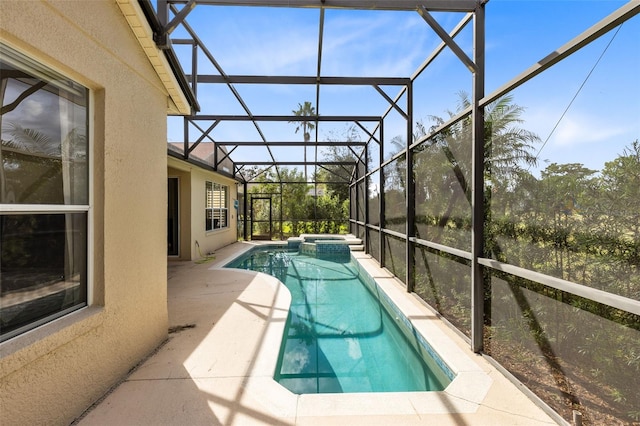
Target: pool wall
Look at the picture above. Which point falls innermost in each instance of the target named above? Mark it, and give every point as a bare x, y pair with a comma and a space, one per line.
429, 355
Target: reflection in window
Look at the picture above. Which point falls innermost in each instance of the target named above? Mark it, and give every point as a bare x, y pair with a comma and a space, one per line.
44, 136
44, 267
44, 169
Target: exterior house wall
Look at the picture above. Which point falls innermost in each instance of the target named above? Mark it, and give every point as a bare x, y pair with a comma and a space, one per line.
192, 210
209, 241
51, 374
184, 202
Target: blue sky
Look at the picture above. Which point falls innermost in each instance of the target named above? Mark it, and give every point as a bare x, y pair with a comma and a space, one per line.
602, 120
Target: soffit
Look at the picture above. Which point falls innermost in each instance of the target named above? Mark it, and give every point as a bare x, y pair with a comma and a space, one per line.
178, 103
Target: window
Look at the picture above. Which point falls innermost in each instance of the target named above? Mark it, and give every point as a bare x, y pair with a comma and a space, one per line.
44, 194
216, 206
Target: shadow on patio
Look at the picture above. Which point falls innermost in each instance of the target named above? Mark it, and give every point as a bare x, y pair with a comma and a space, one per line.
218, 323
217, 366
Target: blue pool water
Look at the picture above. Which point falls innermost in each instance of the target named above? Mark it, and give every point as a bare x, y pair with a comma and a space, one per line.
339, 337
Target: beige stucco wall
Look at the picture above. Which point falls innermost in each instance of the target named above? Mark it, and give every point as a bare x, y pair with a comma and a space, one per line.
212, 240
192, 188
183, 174
52, 374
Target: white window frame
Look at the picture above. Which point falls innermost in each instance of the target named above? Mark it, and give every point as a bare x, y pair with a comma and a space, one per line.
216, 206
45, 71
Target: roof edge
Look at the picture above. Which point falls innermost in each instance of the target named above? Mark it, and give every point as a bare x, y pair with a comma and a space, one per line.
181, 100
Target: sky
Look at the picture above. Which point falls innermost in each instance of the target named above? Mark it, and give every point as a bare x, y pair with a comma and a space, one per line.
584, 110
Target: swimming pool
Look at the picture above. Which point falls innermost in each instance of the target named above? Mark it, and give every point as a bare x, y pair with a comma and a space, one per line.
342, 333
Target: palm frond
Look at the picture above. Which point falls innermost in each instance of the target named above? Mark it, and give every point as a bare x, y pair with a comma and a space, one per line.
31, 140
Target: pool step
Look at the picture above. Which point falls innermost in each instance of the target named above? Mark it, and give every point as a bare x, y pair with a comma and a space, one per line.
356, 247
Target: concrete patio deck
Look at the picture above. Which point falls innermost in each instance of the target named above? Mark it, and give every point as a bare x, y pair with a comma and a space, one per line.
217, 365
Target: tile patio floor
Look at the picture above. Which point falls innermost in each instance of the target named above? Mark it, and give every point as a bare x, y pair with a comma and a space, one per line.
217, 368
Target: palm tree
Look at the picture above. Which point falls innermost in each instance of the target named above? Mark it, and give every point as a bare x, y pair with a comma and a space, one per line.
508, 147
31, 141
304, 110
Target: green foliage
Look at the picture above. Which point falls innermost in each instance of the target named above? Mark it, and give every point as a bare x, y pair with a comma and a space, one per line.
338, 177
571, 222
299, 207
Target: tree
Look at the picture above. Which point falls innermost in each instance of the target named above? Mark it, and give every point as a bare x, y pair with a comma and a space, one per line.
339, 176
508, 146
304, 110
621, 186
287, 200
612, 216
442, 167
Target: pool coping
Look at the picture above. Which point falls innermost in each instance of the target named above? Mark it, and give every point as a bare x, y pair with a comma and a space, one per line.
464, 394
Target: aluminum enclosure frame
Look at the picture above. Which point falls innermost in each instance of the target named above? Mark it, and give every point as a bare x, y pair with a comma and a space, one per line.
475, 12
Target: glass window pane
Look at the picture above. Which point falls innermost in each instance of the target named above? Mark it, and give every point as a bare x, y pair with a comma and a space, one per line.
44, 148
217, 206
208, 220
208, 195
43, 267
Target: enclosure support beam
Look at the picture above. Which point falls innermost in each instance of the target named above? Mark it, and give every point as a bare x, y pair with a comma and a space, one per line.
194, 67
391, 101
215, 158
205, 134
233, 90
381, 192
218, 160
371, 135
287, 118
447, 39
244, 211
623, 14
291, 144
437, 5
366, 197
161, 37
290, 80
281, 208
410, 194
477, 185
185, 135
295, 163
179, 17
